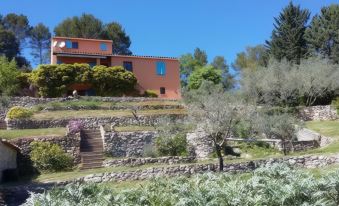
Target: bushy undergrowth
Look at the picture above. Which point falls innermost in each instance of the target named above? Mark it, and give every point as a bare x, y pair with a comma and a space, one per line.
19, 113
275, 185
50, 157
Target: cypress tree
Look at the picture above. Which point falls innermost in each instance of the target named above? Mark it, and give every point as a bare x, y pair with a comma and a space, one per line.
288, 37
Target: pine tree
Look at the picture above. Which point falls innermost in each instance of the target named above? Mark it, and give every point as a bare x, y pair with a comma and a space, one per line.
323, 34
287, 40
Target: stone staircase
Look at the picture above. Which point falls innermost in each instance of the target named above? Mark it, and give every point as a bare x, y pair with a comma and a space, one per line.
91, 149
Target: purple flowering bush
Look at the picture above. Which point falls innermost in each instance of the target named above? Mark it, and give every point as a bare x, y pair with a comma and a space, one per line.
74, 126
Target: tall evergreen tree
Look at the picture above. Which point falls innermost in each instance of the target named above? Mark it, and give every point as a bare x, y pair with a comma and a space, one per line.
200, 56
121, 41
323, 34
88, 26
219, 62
40, 42
9, 46
288, 37
19, 25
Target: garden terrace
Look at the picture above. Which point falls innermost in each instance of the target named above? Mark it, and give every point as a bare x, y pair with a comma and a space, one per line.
52, 115
28, 133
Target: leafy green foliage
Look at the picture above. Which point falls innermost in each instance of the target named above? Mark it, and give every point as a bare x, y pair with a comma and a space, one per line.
116, 80
207, 73
335, 103
288, 37
8, 76
54, 80
274, 185
19, 113
171, 146
50, 157
9, 47
252, 58
150, 93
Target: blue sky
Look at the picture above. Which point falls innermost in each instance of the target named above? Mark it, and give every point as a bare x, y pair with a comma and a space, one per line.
172, 27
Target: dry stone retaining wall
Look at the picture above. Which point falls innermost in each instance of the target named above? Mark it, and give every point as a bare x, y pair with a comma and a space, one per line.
310, 161
326, 112
70, 144
127, 144
142, 161
89, 122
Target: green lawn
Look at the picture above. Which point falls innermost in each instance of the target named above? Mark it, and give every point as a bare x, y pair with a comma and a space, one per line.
133, 128
13, 134
50, 115
326, 128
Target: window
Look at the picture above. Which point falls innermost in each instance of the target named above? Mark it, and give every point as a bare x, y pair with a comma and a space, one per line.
75, 45
161, 68
128, 66
59, 61
72, 45
92, 64
103, 46
162, 90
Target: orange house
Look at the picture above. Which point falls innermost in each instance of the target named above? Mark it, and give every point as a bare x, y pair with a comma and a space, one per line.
160, 74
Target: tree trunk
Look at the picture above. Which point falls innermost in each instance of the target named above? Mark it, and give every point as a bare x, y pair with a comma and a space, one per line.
221, 160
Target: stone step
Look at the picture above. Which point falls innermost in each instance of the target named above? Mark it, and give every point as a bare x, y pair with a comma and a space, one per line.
91, 150
94, 145
90, 153
91, 140
91, 165
92, 160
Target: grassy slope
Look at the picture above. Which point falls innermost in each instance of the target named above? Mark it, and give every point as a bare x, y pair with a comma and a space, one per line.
326, 128
43, 115
13, 134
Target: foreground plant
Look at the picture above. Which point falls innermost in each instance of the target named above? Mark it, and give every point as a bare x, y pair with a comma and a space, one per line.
274, 185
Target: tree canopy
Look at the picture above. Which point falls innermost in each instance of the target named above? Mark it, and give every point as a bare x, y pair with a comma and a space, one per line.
40, 42
288, 37
88, 26
323, 34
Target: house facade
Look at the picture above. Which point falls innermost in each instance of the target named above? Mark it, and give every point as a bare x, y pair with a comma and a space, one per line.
160, 74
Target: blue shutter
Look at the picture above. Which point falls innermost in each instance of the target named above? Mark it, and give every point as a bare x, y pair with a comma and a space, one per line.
103, 46
158, 65
68, 44
161, 68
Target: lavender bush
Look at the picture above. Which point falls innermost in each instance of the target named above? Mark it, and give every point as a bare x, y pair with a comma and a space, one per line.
74, 126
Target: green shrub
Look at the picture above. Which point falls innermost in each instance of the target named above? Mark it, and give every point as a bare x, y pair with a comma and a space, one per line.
50, 157
150, 93
113, 81
171, 146
150, 151
54, 80
19, 113
335, 103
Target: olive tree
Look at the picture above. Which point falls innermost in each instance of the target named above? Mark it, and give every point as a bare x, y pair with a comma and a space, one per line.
216, 112
287, 84
281, 126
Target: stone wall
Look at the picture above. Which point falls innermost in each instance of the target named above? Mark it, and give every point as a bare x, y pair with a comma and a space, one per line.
310, 161
31, 101
89, 122
127, 144
70, 144
326, 112
142, 161
198, 145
